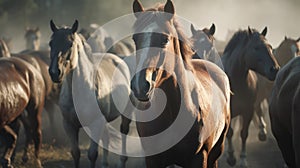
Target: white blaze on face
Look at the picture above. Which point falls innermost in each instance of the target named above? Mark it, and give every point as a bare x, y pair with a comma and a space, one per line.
145, 49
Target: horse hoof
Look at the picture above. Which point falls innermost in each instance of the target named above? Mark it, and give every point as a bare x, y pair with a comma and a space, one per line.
243, 164
231, 161
262, 136
6, 163
39, 163
104, 165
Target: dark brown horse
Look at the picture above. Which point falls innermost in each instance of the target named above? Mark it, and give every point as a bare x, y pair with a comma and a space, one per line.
192, 118
246, 53
21, 87
285, 112
288, 49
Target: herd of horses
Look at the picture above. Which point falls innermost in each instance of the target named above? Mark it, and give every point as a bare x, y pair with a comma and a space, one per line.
204, 88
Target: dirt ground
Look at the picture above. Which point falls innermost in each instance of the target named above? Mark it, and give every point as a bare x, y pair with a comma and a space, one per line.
55, 154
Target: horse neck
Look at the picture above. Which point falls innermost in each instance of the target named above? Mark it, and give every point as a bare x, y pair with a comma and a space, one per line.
84, 67
234, 64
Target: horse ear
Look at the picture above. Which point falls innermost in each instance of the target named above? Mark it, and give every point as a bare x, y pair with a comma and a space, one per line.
212, 29
264, 32
137, 7
193, 30
53, 26
75, 26
169, 8
285, 38
250, 30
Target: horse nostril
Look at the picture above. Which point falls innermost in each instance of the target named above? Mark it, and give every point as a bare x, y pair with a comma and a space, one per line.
146, 86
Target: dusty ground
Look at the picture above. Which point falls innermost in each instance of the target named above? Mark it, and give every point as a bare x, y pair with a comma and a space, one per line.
56, 154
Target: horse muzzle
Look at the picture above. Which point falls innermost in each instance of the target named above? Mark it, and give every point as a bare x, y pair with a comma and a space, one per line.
272, 73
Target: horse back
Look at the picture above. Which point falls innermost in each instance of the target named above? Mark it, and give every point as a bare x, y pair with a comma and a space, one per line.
39, 59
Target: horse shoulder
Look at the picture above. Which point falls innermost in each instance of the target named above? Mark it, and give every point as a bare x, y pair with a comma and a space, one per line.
206, 70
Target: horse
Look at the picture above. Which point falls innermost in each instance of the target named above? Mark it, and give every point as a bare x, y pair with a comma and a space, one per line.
203, 44
40, 59
71, 59
21, 87
284, 112
247, 52
198, 139
33, 38
286, 51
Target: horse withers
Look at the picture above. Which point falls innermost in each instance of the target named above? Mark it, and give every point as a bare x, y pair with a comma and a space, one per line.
190, 121
21, 87
247, 52
284, 111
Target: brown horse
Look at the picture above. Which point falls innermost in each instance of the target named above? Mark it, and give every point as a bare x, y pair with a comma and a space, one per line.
21, 87
287, 50
285, 112
191, 126
246, 53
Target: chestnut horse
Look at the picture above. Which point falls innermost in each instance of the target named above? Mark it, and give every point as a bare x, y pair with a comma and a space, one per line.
285, 112
21, 87
246, 53
73, 64
193, 122
288, 49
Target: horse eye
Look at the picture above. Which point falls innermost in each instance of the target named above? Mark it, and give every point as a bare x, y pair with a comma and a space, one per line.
164, 40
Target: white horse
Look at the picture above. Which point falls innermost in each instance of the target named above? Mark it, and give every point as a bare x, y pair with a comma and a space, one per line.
89, 87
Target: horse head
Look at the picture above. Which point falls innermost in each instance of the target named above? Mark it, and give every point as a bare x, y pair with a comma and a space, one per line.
33, 38
156, 41
202, 41
258, 54
64, 51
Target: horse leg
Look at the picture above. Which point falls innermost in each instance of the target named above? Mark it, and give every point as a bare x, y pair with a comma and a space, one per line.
231, 160
262, 135
72, 132
28, 134
11, 140
93, 153
35, 119
124, 130
244, 135
105, 140
217, 150
50, 109
15, 126
199, 161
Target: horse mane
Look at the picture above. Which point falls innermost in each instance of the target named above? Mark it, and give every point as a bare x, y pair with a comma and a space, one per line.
151, 15
238, 40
